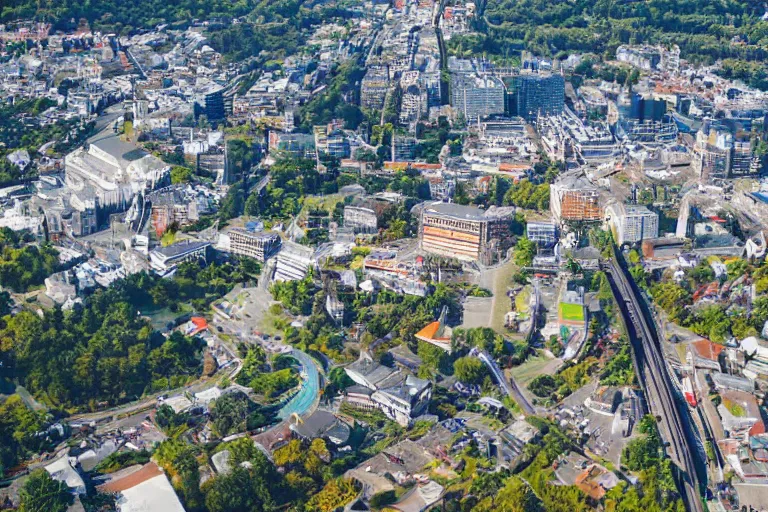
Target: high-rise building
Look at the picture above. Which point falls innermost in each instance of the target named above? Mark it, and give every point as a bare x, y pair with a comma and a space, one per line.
403, 148
211, 103
539, 94
719, 154
631, 223
477, 96
373, 89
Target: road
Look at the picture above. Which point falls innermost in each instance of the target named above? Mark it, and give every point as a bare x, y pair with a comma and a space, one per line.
655, 380
305, 400
508, 386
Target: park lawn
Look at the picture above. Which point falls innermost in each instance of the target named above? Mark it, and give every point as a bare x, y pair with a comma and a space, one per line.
531, 368
502, 281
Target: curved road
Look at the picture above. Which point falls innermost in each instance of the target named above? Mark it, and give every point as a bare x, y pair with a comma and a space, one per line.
305, 400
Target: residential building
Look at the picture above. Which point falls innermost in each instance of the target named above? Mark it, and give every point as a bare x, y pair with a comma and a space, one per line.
145, 490
63, 470
300, 145
362, 219
723, 151
172, 208
322, 425
211, 103
399, 396
403, 148
362, 214
374, 87
331, 142
334, 307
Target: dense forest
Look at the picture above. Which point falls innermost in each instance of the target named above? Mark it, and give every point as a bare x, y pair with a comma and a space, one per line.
22, 265
704, 30
105, 351
128, 13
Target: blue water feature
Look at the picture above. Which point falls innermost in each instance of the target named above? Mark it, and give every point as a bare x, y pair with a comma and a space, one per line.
310, 387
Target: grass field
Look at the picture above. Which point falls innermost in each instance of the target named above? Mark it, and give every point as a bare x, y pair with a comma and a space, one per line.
523, 300
571, 312
532, 368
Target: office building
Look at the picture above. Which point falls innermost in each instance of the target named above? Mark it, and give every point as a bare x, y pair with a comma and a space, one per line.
477, 96
644, 119
465, 232
164, 260
539, 94
544, 234
257, 245
631, 224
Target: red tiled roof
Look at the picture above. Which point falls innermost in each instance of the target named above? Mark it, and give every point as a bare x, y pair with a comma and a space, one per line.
200, 322
148, 472
707, 350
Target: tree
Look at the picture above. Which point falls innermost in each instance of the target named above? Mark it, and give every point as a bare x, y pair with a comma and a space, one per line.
41, 493
180, 174
517, 496
338, 380
543, 385
289, 454
244, 489
525, 250
230, 413
209, 364
469, 370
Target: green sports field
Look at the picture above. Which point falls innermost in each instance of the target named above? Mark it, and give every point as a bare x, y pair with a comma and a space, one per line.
571, 312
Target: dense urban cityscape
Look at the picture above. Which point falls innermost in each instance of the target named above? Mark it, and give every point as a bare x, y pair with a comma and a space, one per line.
386, 255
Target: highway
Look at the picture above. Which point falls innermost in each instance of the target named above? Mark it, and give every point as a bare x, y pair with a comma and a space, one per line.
674, 425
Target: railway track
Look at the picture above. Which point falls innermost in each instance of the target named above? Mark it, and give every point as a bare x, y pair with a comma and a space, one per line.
655, 379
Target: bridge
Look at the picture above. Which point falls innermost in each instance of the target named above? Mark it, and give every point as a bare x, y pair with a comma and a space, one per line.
673, 422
